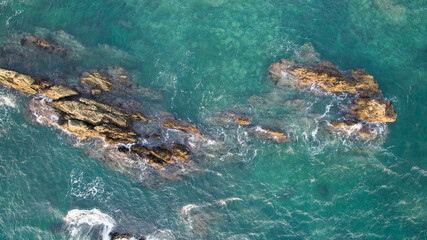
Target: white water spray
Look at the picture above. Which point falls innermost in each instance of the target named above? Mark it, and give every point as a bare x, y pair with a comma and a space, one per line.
83, 224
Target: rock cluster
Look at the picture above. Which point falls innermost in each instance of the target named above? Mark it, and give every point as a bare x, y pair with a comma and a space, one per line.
89, 118
369, 106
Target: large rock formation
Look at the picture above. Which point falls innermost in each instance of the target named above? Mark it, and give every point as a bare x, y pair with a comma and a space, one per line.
88, 118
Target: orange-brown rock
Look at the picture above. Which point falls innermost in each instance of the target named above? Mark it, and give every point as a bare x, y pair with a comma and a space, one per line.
372, 110
59, 91
270, 134
97, 80
325, 75
21, 82
174, 123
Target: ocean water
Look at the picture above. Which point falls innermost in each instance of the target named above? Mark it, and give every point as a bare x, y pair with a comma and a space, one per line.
206, 56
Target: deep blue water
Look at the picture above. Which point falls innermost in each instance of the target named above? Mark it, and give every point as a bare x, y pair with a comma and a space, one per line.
204, 56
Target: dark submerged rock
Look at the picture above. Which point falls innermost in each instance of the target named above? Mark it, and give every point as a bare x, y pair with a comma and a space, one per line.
45, 45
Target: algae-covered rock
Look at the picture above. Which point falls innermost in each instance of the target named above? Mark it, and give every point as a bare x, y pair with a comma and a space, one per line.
373, 110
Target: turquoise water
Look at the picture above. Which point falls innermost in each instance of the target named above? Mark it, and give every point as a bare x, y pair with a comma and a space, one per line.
205, 56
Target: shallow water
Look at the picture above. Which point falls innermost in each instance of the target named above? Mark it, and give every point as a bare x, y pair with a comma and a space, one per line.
204, 56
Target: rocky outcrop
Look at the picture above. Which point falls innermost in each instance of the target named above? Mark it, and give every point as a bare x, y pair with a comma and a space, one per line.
372, 110
45, 45
89, 118
173, 123
325, 75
